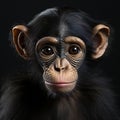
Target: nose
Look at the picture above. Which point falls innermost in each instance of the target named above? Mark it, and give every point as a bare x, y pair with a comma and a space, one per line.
61, 64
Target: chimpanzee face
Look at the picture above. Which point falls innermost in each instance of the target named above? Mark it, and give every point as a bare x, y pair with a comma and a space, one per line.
61, 43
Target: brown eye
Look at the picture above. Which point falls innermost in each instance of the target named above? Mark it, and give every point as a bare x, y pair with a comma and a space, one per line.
47, 50
74, 49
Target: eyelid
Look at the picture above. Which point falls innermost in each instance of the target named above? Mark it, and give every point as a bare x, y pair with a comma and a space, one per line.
74, 46
75, 40
47, 46
47, 40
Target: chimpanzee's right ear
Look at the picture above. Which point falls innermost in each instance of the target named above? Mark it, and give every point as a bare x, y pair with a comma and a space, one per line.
19, 33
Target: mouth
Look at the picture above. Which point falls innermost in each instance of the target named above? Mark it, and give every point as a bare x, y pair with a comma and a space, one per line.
60, 86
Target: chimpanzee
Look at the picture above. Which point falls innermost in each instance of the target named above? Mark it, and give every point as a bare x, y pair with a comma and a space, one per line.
64, 47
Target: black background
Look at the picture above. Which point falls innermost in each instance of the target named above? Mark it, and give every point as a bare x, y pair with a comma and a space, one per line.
21, 11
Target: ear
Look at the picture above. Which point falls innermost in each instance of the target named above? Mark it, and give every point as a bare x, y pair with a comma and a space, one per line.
100, 37
19, 33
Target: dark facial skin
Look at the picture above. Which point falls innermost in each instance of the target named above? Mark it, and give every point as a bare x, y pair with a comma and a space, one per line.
61, 60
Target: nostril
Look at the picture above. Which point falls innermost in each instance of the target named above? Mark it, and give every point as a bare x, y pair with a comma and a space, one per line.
57, 69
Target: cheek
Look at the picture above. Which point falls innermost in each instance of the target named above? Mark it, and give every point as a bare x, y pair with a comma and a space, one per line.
60, 81
76, 63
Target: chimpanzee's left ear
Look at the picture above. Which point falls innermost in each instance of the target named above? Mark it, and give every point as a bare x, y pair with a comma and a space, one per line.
100, 40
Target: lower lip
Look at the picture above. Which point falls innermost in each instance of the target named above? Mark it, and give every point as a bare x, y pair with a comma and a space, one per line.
60, 84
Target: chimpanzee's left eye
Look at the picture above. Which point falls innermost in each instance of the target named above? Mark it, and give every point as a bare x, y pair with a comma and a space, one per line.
74, 49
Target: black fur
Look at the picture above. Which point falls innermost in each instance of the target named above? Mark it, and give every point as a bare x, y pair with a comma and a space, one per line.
24, 96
